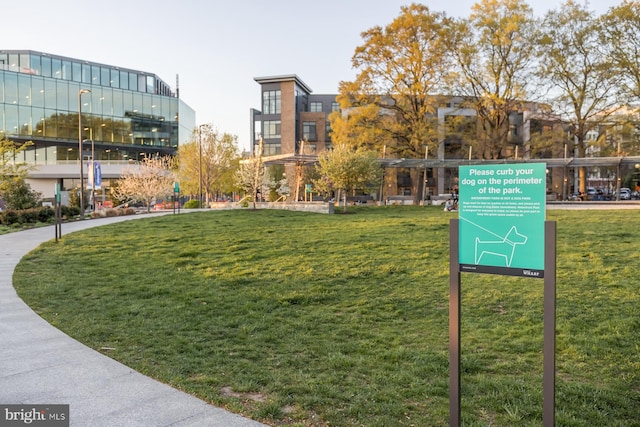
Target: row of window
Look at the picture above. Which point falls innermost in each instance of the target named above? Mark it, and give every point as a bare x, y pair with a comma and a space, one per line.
271, 129
272, 103
47, 93
41, 123
82, 72
52, 154
317, 107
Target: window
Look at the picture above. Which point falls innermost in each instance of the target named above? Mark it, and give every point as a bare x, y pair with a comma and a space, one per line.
335, 106
133, 81
270, 149
105, 76
124, 80
86, 73
271, 102
271, 129
46, 66
115, 79
315, 107
95, 74
309, 131
66, 70
76, 72
56, 68
150, 84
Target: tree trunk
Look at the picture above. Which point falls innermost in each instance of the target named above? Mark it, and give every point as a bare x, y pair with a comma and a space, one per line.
416, 188
345, 202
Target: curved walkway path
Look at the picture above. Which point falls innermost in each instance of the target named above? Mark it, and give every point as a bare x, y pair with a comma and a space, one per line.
41, 365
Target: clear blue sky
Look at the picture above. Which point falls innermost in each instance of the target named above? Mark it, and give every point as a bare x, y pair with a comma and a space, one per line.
216, 47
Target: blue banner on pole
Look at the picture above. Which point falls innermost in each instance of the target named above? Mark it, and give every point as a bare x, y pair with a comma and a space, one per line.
94, 180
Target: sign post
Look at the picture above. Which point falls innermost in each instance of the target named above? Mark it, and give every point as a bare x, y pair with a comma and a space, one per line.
176, 196
502, 230
57, 206
502, 213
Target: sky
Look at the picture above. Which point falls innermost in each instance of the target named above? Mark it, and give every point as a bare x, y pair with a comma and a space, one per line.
215, 48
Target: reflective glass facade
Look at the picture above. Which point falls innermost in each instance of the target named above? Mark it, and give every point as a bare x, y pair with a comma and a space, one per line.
126, 113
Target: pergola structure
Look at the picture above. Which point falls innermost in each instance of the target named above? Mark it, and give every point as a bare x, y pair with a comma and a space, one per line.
564, 163
568, 162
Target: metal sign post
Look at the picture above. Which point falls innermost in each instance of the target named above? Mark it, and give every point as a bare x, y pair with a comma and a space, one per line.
501, 230
57, 211
549, 320
454, 325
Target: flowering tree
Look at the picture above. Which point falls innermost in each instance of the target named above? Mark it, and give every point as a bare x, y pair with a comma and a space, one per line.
252, 177
347, 169
152, 178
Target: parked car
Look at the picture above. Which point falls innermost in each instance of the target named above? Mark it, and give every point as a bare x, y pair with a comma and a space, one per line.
625, 194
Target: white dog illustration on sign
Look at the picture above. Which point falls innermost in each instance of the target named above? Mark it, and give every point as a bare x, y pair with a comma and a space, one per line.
504, 248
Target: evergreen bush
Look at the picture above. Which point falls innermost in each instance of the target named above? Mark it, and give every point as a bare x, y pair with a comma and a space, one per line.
192, 204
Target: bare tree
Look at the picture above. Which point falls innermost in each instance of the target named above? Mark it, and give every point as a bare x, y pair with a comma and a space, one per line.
152, 178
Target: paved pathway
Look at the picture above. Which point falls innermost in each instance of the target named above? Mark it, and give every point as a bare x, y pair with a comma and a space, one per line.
41, 365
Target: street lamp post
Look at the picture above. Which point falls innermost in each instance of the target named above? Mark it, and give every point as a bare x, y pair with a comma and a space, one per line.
80, 148
93, 176
200, 166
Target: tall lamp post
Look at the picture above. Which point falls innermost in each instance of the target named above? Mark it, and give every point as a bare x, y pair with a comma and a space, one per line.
93, 176
80, 148
200, 166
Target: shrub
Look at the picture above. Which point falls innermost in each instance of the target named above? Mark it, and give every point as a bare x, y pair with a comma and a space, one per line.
46, 214
192, 204
70, 211
18, 195
28, 216
10, 217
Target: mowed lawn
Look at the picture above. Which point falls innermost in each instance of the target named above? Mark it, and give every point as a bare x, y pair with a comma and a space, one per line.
342, 320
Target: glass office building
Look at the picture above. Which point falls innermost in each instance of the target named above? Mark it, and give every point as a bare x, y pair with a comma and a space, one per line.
128, 114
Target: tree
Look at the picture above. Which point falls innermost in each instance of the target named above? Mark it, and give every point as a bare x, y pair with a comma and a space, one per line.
14, 189
492, 50
346, 169
620, 28
218, 156
17, 194
252, 176
9, 167
393, 99
576, 65
152, 178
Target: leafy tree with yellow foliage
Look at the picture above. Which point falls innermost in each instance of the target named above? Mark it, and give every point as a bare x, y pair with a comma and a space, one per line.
392, 101
494, 65
579, 72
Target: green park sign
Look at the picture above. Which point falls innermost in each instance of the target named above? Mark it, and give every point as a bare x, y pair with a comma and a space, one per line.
502, 219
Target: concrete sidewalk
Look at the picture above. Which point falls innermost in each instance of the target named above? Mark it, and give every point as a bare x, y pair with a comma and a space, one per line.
41, 365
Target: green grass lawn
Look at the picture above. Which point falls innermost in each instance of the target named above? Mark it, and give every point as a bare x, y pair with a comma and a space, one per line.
342, 320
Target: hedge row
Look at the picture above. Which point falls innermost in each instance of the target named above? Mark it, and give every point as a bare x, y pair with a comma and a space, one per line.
32, 216
113, 212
